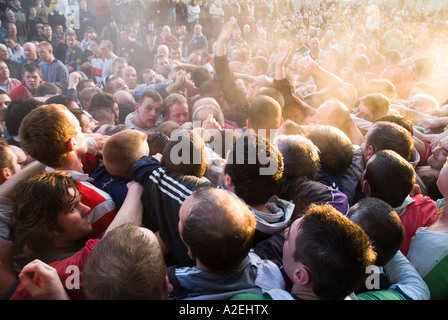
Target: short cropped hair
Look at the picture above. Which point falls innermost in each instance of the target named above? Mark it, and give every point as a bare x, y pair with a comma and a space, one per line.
300, 156
122, 150
377, 103
387, 135
125, 265
170, 100
390, 177
335, 250
383, 226
256, 167
185, 153
154, 95
41, 135
335, 148
264, 113
222, 240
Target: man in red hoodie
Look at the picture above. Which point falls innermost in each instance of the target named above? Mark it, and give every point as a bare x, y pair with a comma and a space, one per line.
32, 78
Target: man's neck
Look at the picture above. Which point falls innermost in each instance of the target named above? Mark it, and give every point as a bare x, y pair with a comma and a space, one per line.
4, 80
261, 207
32, 91
138, 123
304, 292
73, 163
441, 223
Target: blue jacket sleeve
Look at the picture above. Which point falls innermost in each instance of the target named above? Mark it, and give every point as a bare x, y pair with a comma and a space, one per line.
141, 169
115, 186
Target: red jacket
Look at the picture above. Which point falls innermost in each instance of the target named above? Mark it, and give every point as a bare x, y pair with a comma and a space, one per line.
21, 91
78, 260
421, 213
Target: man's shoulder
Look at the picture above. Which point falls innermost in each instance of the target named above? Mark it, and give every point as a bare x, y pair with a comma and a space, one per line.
422, 200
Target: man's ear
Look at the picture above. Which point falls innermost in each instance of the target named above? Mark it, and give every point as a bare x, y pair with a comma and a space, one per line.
302, 275
370, 152
167, 288
366, 188
190, 253
248, 124
227, 182
72, 145
5, 174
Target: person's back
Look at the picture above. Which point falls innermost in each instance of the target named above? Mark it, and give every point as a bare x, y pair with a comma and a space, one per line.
167, 183
220, 244
389, 177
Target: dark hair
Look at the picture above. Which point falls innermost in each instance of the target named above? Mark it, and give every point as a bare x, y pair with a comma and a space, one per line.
154, 95
335, 250
60, 99
383, 226
200, 75
398, 119
185, 153
47, 88
31, 66
335, 148
255, 167
390, 177
37, 203
17, 110
157, 142
388, 135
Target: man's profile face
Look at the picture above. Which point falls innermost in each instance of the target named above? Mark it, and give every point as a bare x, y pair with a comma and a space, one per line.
365, 113
289, 249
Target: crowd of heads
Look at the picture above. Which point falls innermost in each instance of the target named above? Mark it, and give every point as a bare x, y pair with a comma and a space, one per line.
189, 137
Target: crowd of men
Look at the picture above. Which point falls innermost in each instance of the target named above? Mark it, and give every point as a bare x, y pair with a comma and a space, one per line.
226, 149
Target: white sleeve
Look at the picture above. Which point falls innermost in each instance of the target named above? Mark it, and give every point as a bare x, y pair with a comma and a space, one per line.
405, 278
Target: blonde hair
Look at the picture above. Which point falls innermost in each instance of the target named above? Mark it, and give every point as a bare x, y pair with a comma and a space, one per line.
122, 150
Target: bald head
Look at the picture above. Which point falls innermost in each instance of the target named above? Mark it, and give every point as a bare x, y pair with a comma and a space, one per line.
203, 102
124, 97
30, 51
